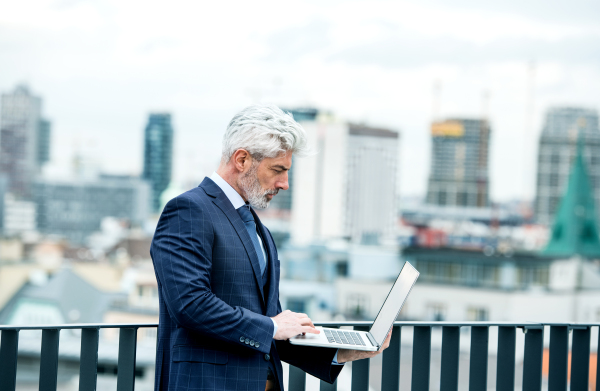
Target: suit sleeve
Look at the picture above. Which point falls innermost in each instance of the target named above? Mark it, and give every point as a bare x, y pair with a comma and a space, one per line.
182, 254
313, 360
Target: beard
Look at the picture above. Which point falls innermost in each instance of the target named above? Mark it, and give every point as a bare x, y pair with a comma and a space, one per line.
254, 192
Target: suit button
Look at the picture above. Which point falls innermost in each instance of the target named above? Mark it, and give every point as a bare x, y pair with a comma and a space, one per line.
251, 343
267, 357
242, 339
247, 341
256, 344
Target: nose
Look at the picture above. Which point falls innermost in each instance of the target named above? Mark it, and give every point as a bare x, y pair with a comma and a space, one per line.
283, 184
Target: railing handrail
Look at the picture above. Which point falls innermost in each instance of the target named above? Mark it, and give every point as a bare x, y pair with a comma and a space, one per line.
78, 326
569, 342
361, 323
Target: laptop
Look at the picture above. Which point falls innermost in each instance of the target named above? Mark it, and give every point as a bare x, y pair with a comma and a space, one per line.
374, 338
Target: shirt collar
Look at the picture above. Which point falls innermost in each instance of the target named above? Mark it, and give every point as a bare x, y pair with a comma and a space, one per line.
234, 197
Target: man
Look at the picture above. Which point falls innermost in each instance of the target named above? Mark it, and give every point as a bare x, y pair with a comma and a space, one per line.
221, 324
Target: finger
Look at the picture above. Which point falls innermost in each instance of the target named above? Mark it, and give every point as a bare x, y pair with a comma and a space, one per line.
388, 339
312, 330
306, 322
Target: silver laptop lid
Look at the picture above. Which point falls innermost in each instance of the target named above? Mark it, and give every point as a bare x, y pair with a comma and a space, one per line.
393, 303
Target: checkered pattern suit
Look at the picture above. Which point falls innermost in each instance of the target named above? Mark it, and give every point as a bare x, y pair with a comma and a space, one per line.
214, 329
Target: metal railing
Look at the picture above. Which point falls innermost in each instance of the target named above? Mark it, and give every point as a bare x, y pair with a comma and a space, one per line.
558, 361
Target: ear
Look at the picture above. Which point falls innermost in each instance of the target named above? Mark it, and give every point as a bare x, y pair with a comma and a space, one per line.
241, 160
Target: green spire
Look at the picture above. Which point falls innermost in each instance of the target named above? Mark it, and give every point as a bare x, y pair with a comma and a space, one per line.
575, 229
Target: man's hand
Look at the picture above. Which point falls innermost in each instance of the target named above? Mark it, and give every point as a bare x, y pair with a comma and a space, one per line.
290, 324
345, 355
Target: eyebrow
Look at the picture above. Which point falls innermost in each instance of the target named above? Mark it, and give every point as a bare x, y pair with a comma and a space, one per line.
280, 167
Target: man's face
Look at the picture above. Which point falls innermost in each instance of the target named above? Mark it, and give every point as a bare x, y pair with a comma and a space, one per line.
264, 180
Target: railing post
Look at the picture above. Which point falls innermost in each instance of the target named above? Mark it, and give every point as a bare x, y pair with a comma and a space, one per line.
559, 356
390, 370
126, 361
478, 366
360, 369
49, 359
297, 379
598, 363
505, 371
421, 358
450, 353
88, 363
580, 361
532, 360
8, 358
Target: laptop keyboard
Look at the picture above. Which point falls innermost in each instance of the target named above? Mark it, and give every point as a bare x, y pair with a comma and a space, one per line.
343, 337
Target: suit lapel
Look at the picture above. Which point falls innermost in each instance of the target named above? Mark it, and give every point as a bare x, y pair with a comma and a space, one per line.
270, 250
223, 203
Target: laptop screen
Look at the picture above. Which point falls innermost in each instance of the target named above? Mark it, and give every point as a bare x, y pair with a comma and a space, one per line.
394, 302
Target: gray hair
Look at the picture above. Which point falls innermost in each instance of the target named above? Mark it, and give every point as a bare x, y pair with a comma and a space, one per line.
264, 130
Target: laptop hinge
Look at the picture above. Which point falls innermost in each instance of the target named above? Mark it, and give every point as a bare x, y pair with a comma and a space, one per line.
373, 342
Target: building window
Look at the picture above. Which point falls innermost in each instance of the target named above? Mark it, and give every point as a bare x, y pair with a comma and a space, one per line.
442, 198
463, 198
477, 314
357, 305
436, 312
341, 269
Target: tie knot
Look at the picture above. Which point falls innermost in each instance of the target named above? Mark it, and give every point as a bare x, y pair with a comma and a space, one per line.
245, 214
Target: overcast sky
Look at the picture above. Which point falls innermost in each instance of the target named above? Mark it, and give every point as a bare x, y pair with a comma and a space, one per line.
102, 66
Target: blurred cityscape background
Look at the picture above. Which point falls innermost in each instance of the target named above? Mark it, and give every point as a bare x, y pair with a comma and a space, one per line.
462, 138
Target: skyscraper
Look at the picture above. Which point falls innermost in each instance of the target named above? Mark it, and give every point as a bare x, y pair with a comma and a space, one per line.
24, 140
372, 166
158, 155
348, 189
557, 149
283, 200
459, 163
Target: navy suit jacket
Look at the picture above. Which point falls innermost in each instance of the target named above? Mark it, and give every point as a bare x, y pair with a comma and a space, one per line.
215, 329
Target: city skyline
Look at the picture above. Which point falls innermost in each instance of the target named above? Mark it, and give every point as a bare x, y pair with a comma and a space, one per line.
101, 74
70, 169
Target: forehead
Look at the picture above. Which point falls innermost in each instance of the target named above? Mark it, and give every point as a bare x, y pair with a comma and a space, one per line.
283, 159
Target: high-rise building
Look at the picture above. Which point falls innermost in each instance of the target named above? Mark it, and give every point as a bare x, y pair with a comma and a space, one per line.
75, 208
557, 150
348, 189
158, 155
24, 140
372, 167
283, 200
459, 163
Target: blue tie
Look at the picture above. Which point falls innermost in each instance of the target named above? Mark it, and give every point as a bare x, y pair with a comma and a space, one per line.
250, 224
